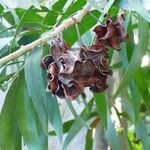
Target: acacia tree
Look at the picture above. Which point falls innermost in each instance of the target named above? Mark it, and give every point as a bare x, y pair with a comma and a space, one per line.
27, 35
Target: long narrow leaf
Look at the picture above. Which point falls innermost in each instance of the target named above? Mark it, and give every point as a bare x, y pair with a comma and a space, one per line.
142, 134
44, 103
133, 89
34, 86
101, 105
139, 51
25, 116
76, 127
77, 117
10, 137
112, 135
141, 82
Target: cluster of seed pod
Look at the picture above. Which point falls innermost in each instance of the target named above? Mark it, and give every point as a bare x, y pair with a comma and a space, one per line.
70, 70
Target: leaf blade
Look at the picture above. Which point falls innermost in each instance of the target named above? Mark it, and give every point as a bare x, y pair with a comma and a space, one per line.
76, 127
101, 105
139, 51
26, 117
45, 104
10, 134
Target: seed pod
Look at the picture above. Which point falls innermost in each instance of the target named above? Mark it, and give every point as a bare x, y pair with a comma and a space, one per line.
70, 70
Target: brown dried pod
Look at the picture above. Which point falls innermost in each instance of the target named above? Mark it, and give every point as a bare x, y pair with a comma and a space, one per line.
111, 34
70, 70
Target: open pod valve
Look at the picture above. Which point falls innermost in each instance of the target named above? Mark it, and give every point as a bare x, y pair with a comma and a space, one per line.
70, 70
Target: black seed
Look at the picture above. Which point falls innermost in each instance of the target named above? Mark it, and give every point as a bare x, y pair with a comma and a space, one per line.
47, 60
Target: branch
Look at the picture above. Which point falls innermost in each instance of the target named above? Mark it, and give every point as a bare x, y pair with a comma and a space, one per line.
66, 23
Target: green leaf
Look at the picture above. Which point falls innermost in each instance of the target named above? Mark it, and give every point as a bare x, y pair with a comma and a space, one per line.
10, 137
1, 9
135, 99
80, 120
89, 139
41, 135
9, 17
26, 117
30, 17
18, 28
32, 75
45, 104
66, 126
130, 42
138, 6
5, 77
139, 51
52, 15
112, 135
76, 127
133, 89
140, 80
87, 22
89, 134
101, 105
124, 4
74, 7
142, 134
127, 105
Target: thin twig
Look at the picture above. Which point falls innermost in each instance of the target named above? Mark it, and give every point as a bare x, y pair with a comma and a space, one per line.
66, 23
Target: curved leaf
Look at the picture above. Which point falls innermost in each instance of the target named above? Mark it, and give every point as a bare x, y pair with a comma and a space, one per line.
76, 127
139, 51
25, 116
45, 104
80, 120
140, 80
10, 137
101, 105
112, 135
